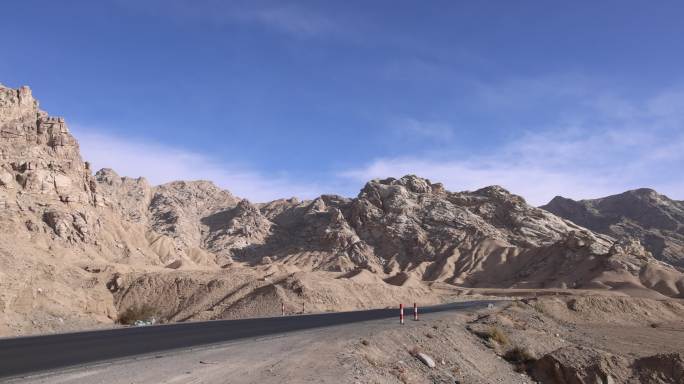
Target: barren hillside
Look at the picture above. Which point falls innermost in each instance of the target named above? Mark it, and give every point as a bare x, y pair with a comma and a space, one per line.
78, 249
656, 220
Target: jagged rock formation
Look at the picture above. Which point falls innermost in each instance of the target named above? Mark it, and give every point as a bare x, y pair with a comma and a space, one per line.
656, 220
56, 245
83, 247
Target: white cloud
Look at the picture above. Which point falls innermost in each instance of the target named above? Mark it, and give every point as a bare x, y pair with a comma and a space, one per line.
538, 175
413, 128
160, 164
290, 19
598, 145
537, 184
607, 146
523, 92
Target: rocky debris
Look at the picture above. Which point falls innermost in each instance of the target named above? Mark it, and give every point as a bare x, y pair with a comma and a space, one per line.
586, 339
654, 219
70, 226
577, 365
426, 359
660, 368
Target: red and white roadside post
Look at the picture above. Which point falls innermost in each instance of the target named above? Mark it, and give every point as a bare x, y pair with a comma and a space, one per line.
283, 308
415, 311
401, 314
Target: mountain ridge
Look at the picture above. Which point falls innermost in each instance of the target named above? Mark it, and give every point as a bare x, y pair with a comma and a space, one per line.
87, 247
655, 219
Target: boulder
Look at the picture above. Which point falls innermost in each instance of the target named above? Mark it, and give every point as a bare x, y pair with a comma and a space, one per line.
426, 359
6, 179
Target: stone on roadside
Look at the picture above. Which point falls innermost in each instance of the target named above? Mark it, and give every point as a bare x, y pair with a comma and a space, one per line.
426, 359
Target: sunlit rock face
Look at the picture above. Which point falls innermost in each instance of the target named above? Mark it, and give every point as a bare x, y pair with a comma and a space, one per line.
654, 219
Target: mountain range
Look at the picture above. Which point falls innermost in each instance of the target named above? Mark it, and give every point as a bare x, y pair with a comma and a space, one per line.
80, 248
654, 219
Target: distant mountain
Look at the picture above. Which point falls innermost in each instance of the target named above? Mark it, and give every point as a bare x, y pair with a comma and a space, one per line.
656, 220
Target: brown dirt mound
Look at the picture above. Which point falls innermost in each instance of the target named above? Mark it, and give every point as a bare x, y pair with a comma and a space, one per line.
661, 368
621, 309
577, 365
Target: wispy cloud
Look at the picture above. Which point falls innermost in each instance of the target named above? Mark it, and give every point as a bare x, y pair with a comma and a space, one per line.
160, 164
292, 19
604, 145
534, 175
595, 143
289, 19
414, 128
525, 92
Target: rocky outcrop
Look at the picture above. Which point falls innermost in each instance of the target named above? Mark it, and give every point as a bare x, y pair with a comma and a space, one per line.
235, 230
654, 219
129, 197
42, 175
177, 209
39, 156
660, 368
578, 365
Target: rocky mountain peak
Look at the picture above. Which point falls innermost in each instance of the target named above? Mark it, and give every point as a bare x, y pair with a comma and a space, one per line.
646, 192
656, 220
107, 176
499, 193
410, 183
17, 104
42, 176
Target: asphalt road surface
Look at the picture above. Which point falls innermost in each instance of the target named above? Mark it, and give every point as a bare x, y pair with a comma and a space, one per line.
24, 355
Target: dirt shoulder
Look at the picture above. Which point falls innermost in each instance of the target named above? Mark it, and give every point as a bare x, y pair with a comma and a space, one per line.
556, 339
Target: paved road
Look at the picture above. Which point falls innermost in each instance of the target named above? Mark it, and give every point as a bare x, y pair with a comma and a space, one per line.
23, 355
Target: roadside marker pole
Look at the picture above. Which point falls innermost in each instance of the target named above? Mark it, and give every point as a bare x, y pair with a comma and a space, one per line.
401, 314
415, 311
283, 308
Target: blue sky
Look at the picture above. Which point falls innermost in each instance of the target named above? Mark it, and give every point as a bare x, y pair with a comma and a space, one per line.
278, 99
